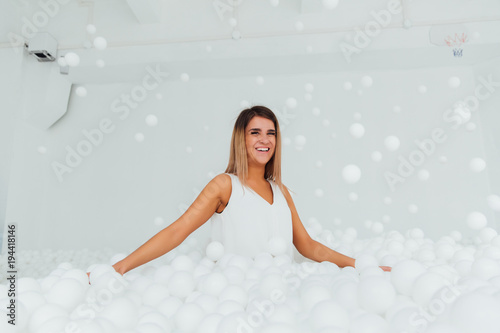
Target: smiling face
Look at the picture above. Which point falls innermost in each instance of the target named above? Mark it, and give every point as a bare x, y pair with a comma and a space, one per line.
260, 139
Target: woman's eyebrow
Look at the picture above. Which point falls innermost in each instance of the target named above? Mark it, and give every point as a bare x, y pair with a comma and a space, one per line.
258, 129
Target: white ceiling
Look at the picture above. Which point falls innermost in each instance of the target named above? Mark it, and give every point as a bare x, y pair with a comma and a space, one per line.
178, 32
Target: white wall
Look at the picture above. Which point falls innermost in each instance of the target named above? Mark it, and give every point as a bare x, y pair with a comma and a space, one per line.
113, 197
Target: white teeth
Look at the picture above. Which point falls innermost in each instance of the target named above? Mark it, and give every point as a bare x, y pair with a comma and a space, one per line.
263, 149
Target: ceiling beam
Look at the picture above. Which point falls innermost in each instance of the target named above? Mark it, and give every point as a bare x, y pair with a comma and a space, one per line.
146, 11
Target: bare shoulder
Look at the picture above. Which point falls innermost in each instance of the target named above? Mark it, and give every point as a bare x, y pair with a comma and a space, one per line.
221, 184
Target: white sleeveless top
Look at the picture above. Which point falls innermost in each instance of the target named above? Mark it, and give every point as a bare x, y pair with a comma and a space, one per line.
249, 222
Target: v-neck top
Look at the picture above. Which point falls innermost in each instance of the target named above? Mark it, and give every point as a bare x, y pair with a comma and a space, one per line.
250, 225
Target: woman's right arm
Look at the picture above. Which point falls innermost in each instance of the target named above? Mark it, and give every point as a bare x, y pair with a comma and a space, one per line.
169, 238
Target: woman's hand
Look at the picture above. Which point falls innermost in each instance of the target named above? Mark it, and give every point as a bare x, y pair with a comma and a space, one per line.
386, 268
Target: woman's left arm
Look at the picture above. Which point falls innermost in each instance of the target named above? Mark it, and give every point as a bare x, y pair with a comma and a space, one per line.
312, 249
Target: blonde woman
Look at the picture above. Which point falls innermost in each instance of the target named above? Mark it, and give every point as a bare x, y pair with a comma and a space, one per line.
250, 208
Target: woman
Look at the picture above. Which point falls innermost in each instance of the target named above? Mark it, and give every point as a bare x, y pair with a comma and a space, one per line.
247, 223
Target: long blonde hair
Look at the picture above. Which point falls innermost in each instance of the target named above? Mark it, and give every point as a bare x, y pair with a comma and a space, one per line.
238, 164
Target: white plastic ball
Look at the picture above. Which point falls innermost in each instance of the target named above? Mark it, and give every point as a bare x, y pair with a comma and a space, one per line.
300, 141
215, 250
476, 220
494, 202
139, 137
100, 63
61, 61
353, 196
377, 228
91, 29
233, 22
277, 246
351, 173
154, 294
347, 85
184, 77
422, 89
376, 156
475, 312
329, 313
404, 275
369, 322
367, 81
274, 3
396, 109
454, 82
213, 283
72, 59
365, 260
81, 91
309, 87
413, 208
376, 294
122, 312
330, 4
259, 80
423, 174
477, 164
100, 43
67, 293
188, 317
318, 193
151, 120
357, 130
392, 143
299, 26
291, 103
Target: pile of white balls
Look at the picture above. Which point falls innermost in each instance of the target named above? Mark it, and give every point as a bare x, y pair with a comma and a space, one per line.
450, 285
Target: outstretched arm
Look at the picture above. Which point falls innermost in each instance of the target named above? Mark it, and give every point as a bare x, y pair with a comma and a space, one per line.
169, 238
312, 249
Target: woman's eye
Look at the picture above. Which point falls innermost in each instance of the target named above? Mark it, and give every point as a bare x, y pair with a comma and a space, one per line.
254, 132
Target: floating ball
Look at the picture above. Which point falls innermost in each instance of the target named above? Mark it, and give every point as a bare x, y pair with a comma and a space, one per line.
494, 202
392, 143
81, 91
184, 77
357, 130
477, 164
100, 43
291, 103
476, 220
422, 89
367, 81
454, 82
376, 156
330, 4
72, 59
91, 29
151, 120
351, 173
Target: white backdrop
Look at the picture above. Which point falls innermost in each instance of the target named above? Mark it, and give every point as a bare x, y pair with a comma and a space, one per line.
124, 190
